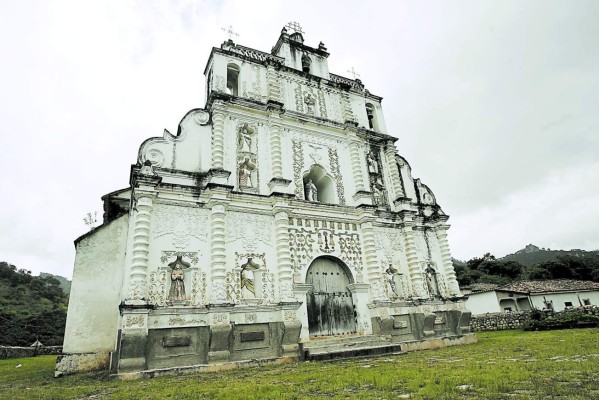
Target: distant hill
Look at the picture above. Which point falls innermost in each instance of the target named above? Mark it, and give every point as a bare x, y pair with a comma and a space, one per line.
532, 255
65, 284
31, 307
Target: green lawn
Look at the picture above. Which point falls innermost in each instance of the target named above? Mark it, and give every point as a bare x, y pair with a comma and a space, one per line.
503, 365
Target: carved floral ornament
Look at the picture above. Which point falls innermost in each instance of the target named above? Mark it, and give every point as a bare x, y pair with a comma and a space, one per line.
309, 239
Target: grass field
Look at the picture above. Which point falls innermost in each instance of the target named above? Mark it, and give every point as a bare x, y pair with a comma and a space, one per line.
503, 365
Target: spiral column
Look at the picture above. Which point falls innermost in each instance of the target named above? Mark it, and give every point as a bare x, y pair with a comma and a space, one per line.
452, 283
275, 151
414, 266
218, 255
373, 271
218, 138
393, 172
285, 269
137, 293
356, 165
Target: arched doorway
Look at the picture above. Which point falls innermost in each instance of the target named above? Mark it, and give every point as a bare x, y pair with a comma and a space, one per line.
329, 302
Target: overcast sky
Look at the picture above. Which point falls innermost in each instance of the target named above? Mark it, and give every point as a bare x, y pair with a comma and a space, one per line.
495, 104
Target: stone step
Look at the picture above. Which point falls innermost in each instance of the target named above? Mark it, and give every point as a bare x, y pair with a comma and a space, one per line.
342, 340
347, 346
324, 354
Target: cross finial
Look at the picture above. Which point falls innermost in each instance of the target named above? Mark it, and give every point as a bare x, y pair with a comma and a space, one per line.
295, 27
229, 31
353, 73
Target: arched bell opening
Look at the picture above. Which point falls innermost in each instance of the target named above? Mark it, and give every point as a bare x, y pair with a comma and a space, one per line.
329, 303
319, 186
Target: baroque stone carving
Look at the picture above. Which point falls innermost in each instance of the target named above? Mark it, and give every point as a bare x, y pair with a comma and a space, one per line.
138, 320
192, 255
298, 167
157, 288
202, 117
250, 229
309, 238
322, 108
334, 162
155, 157
182, 223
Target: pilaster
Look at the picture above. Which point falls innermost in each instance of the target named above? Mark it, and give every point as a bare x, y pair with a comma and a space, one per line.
285, 270
373, 272
452, 283
277, 184
360, 297
218, 254
396, 189
414, 266
218, 139
362, 196
144, 184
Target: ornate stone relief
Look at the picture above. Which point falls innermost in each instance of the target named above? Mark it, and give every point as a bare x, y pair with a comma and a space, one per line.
250, 282
155, 156
220, 319
298, 167
251, 318
202, 117
255, 92
219, 84
322, 108
182, 223
289, 315
311, 238
247, 157
132, 320
249, 229
162, 293
334, 162
177, 320
299, 101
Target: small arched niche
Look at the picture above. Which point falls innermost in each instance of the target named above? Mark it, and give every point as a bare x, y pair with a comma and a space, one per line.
324, 184
233, 79
370, 113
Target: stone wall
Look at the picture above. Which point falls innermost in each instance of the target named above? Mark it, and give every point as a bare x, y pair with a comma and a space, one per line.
515, 320
498, 321
18, 352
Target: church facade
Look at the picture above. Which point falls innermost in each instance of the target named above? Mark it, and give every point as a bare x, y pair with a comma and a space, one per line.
279, 213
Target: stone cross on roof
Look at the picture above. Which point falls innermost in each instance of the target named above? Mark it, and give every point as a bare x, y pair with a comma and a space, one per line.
295, 27
230, 32
353, 73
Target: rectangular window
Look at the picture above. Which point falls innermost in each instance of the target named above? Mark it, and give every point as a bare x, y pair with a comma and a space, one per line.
568, 304
507, 309
586, 302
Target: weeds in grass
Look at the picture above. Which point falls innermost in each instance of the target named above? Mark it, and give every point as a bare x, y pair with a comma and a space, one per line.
503, 365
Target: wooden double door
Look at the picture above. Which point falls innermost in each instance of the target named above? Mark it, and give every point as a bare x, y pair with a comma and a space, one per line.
329, 303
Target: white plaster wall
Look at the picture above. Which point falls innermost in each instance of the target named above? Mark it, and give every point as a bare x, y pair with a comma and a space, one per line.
190, 151
481, 303
560, 298
92, 319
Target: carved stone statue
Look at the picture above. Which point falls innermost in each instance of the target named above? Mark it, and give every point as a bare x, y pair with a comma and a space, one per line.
391, 272
311, 191
244, 139
373, 165
177, 290
377, 195
248, 289
245, 173
431, 281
